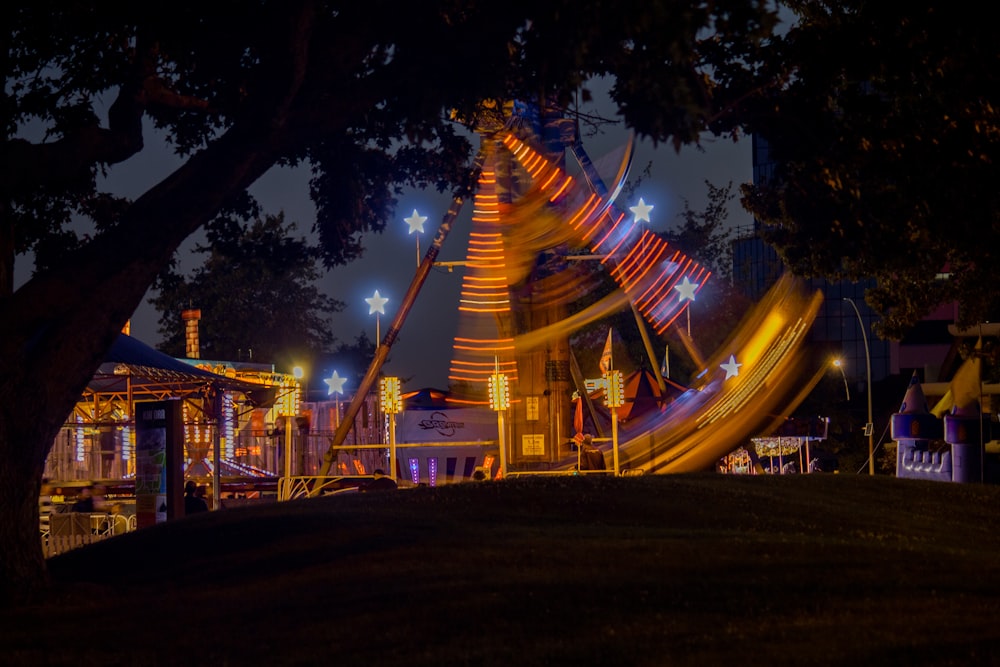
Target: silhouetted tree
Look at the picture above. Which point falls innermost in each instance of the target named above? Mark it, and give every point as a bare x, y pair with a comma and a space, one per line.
883, 142
256, 291
361, 92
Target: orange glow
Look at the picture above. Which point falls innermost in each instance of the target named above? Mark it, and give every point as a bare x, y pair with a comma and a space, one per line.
597, 226
561, 189
658, 286
614, 225
548, 181
482, 348
581, 214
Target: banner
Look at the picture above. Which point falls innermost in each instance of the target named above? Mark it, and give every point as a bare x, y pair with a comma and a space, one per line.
448, 425
159, 447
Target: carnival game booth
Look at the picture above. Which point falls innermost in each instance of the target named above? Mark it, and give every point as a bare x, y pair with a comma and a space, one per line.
234, 412
438, 442
785, 451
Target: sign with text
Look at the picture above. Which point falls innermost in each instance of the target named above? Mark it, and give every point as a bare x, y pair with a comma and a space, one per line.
159, 450
531, 408
459, 425
533, 444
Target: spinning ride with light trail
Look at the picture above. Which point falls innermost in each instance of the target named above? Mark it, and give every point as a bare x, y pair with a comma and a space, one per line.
533, 221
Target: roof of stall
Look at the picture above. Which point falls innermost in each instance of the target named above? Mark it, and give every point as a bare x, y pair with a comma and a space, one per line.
132, 367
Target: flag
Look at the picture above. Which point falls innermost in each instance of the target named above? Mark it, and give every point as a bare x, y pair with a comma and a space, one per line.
606, 355
965, 388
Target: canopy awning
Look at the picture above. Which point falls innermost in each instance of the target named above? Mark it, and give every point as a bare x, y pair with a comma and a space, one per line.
134, 369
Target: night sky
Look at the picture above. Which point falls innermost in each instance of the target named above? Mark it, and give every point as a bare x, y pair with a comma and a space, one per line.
423, 350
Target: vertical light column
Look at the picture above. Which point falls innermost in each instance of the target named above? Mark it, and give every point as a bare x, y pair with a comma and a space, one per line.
499, 391
614, 398
392, 405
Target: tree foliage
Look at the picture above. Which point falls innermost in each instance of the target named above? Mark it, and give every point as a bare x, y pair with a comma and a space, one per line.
883, 132
705, 235
361, 92
256, 293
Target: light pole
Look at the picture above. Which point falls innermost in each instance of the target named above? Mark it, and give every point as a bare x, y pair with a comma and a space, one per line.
335, 385
614, 394
376, 306
298, 373
416, 225
499, 392
840, 367
685, 292
391, 405
870, 426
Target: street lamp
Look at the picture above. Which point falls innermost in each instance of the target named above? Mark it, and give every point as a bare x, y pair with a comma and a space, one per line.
335, 385
416, 225
376, 305
840, 367
614, 397
870, 426
392, 405
685, 292
499, 391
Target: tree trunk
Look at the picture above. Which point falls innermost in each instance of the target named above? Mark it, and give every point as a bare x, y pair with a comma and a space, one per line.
56, 329
23, 574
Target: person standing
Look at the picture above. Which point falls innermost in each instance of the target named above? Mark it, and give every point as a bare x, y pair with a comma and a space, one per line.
85, 501
193, 503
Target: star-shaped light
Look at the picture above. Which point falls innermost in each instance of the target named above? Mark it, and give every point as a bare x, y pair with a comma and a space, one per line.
376, 303
731, 367
641, 211
416, 222
334, 384
685, 291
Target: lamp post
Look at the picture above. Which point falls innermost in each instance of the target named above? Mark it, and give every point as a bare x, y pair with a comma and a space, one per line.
335, 385
298, 373
416, 225
870, 426
499, 391
840, 367
685, 292
615, 398
376, 305
391, 406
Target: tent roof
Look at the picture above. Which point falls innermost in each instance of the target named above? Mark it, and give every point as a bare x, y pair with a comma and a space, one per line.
134, 367
426, 399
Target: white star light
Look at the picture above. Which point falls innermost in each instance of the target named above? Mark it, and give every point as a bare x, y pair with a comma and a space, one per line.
641, 211
416, 222
376, 303
731, 367
685, 290
335, 384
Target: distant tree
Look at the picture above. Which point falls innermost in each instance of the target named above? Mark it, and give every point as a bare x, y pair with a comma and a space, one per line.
360, 92
256, 292
350, 359
706, 236
885, 141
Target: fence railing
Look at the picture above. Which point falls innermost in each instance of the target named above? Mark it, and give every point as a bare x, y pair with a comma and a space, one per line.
70, 530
